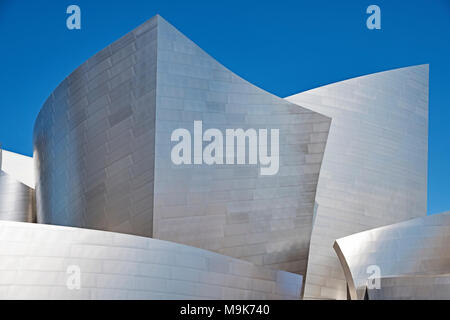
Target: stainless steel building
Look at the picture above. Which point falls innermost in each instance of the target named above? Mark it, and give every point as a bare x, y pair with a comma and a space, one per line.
351, 156
416, 287
374, 170
39, 261
16, 198
102, 145
412, 257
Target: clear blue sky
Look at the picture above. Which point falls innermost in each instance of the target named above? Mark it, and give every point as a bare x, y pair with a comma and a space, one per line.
282, 46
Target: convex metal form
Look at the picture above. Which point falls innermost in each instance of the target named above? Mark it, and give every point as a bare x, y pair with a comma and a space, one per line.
161, 174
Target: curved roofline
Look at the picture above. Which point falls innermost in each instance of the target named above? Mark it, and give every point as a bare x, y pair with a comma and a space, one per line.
361, 76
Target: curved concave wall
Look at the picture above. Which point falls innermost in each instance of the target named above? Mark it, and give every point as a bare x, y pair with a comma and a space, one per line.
374, 170
102, 145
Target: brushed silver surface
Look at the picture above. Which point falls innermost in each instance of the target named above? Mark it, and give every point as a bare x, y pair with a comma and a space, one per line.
17, 202
430, 287
19, 167
94, 140
102, 156
232, 209
413, 257
374, 170
102, 151
35, 258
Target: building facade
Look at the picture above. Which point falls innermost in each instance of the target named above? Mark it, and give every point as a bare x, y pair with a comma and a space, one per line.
39, 262
110, 200
102, 144
374, 170
17, 201
412, 257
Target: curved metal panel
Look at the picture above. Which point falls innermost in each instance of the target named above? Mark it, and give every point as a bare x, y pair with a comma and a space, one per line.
406, 253
412, 288
233, 209
94, 140
374, 170
103, 145
16, 200
36, 259
18, 166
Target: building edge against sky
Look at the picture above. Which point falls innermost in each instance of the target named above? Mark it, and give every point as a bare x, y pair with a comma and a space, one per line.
102, 141
102, 149
17, 197
374, 170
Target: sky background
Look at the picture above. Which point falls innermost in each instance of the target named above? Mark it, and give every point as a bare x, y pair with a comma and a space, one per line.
284, 47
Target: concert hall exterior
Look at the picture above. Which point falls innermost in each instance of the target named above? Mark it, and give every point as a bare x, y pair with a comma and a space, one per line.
106, 199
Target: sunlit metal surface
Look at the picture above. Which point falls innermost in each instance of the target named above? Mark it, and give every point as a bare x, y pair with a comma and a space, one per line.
16, 198
409, 256
374, 170
18, 166
232, 209
35, 259
102, 156
94, 140
412, 288
102, 151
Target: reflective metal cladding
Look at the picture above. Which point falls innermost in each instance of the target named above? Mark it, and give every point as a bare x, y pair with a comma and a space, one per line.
412, 257
16, 198
233, 209
102, 146
374, 170
113, 265
351, 156
94, 140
